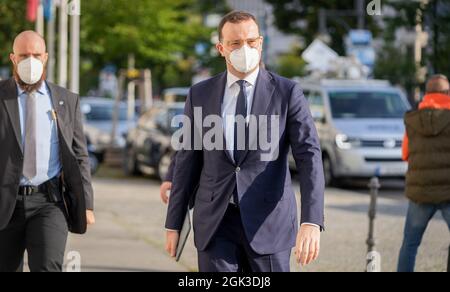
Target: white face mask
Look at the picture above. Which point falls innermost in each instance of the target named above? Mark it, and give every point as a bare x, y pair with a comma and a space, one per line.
245, 59
30, 70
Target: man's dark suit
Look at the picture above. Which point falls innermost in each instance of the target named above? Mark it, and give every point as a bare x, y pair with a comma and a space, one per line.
74, 157
267, 204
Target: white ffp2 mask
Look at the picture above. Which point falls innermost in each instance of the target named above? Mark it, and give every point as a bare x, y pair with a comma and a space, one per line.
245, 59
30, 70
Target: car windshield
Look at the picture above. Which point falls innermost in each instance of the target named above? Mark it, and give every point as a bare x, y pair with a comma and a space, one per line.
367, 105
99, 113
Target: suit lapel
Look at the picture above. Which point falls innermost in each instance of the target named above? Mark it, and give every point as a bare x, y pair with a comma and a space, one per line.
59, 105
12, 107
264, 89
215, 100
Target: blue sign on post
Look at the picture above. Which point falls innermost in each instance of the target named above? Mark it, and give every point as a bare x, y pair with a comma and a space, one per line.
360, 37
359, 44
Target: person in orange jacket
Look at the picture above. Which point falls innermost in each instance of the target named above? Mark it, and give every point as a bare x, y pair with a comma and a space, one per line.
437, 97
425, 197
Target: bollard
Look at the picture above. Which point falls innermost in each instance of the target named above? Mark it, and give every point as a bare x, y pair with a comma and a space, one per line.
374, 187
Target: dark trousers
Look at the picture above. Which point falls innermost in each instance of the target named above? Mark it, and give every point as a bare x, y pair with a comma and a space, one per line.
38, 226
229, 251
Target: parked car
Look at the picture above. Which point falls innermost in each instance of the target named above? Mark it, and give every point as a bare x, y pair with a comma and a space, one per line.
93, 159
148, 145
98, 124
175, 95
361, 129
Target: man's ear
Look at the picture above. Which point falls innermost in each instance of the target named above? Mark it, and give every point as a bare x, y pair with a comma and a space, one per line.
12, 58
220, 49
45, 58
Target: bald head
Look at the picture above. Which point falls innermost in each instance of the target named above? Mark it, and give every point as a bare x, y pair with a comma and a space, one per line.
29, 39
438, 84
29, 44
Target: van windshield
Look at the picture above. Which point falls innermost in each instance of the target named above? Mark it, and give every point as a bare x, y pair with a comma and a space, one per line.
367, 105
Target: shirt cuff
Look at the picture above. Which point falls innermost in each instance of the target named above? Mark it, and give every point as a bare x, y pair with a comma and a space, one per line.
310, 224
172, 230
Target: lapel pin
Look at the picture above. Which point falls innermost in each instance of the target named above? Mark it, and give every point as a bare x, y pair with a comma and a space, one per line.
61, 103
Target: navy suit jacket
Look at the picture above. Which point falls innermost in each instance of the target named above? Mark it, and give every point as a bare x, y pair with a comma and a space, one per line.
266, 197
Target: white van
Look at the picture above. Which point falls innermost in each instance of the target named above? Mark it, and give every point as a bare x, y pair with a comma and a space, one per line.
360, 124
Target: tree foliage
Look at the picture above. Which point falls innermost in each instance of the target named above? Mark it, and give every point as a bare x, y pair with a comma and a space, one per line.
161, 34
12, 22
301, 17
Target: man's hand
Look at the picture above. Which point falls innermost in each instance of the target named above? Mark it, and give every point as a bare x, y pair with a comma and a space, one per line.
90, 218
172, 238
308, 244
164, 189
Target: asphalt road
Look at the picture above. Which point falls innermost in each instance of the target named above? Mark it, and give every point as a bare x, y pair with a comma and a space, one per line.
129, 234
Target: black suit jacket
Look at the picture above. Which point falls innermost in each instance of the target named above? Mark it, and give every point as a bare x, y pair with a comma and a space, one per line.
78, 193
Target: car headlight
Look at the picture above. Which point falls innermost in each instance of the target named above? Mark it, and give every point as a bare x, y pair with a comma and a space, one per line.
346, 143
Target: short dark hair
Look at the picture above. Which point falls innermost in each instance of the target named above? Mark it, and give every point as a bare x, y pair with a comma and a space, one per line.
235, 17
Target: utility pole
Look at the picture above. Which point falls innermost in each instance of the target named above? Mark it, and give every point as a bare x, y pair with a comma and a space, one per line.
131, 88
361, 13
420, 42
74, 12
63, 40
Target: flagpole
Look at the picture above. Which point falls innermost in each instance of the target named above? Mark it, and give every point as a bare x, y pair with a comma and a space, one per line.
63, 40
40, 19
74, 11
51, 27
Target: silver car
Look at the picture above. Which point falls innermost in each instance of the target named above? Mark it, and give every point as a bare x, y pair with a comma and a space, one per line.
361, 129
98, 124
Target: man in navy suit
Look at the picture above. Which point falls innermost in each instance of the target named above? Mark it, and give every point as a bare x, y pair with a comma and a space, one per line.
245, 214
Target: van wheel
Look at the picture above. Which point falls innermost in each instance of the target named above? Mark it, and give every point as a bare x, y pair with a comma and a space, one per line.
330, 180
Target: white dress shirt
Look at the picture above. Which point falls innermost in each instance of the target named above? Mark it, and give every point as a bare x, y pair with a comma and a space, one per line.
47, 143
230, 98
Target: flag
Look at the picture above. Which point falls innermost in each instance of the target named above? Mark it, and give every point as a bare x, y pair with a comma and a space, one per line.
32, 8
48, 4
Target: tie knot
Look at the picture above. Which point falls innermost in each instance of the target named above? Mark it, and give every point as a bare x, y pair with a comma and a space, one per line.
242, 83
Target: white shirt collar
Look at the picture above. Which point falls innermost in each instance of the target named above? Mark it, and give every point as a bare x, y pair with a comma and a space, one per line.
231, 79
